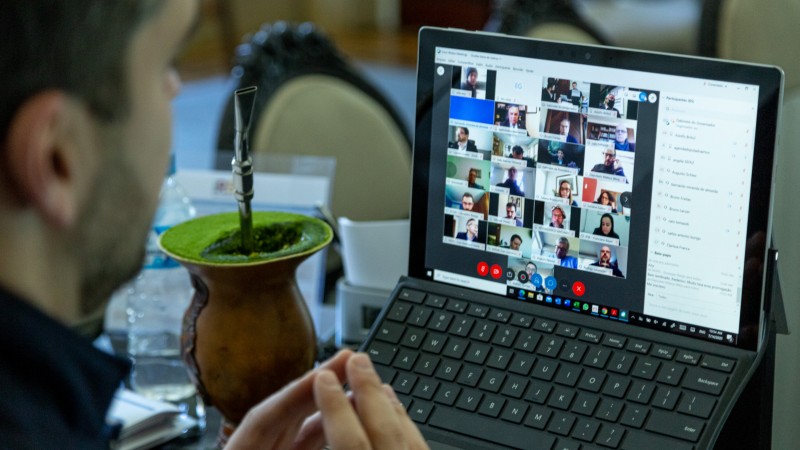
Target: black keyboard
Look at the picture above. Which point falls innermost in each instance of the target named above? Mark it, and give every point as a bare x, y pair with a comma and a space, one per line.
519, 381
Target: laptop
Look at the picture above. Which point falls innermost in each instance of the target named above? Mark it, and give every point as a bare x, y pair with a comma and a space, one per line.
590, 273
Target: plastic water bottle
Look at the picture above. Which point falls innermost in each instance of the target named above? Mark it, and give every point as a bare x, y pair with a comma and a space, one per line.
155, 303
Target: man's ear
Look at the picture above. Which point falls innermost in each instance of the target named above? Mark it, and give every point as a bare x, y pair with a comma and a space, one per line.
42, 156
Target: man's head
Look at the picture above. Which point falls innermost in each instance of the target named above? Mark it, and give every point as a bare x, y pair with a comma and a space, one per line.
462, 134
513, 115
530, 268
609, 157
609, 100
515, 242
560, 154
511, 210
473, 175
605, 254
472, 76
557, 217
472, 227
517, 152
512, 173
467, 202
621, 134
574, 85
563, 127
86, 115
562, 248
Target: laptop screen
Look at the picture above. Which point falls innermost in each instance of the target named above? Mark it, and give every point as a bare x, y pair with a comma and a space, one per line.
633, 187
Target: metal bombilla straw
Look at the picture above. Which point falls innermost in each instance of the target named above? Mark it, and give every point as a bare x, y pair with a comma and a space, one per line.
242, 163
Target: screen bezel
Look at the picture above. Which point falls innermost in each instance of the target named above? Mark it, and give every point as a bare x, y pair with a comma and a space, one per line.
768, 78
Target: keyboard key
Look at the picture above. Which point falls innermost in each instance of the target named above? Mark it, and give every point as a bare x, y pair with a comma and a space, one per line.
574, 352
717, 363
426, 365
545, 325
527, 341
586, 430
566, 444
687, 357
492, 381
521, 364
448, 370
499, 358
462, 326
675, 425
641, 392
447, 394
621, 363
492, 405
440, 321
434, 343
505, 336
544, 369
704, 380
610, 436
538, 417
385, 373
390, 332
458, 306
567, 331
413, 337
638, 346
592, 381
469, 376
477, 353
514, 412
591, 336
662, 351
561, 424
568, 374
419, 411
435, 301
634, 416
637, 440
404, 383
538, 392
597, 357
412, 296
425, 389
515, 386
503, 434
614, 341
399, 311
617, 386
381, 353
561, 398
478, 311
550, 346
585, 404
697, 405
468, 400
405, 359
646, 368
666, 397
671, 374
455, 348
521, 320
483, 331
500, 316
419, 316
609, 410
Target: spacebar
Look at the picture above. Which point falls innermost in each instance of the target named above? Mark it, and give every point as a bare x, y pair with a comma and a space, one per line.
491, 430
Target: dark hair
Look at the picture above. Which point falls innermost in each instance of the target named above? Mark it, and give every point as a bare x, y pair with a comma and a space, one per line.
72, 45
471, 69
466, 130
515, 236
609, 194
517, 149
611, 218
467, 194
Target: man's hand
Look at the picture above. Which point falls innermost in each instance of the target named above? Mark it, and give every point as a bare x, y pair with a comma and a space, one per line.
314, 411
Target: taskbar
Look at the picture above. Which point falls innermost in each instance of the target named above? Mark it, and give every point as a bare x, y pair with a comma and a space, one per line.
621, 315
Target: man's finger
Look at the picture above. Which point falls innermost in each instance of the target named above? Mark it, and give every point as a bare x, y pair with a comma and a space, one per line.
343, 429
384, 429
